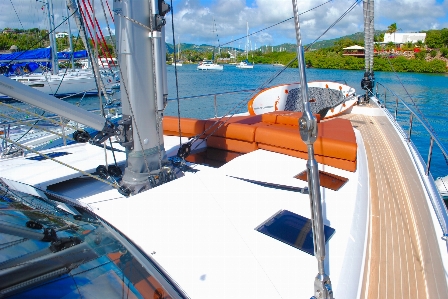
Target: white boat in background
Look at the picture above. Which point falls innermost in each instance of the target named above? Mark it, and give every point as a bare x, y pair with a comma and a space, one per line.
328, 99
207, 65
177, 61
277, 64
72, 82
246, 64
32, 68
270, 205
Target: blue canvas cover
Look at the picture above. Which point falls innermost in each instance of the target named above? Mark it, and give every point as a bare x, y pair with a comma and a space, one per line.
42, 54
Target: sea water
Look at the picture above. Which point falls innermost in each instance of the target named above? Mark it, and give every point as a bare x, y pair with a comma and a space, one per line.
426, 93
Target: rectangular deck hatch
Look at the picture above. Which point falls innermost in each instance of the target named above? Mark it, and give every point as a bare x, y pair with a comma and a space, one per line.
293, 229
327, 180
51, 155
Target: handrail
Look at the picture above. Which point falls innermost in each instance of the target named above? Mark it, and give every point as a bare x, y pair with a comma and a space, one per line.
215, 94
423, 122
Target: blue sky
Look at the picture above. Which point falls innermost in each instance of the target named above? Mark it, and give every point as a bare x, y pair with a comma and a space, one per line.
206, 21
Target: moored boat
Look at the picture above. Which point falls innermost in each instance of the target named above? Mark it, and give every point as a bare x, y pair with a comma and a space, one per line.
207, 65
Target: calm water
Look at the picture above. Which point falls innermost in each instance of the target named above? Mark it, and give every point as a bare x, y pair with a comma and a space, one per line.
428, 93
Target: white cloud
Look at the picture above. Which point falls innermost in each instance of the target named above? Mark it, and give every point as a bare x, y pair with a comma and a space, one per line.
200, 21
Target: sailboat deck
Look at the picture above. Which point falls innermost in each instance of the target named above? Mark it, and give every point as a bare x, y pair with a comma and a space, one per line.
403, 259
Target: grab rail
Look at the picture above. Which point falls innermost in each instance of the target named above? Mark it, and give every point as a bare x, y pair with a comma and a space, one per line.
215, 96
418, 117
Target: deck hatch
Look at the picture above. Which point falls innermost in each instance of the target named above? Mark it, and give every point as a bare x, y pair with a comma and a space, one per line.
51, 155
293, 229
326, 179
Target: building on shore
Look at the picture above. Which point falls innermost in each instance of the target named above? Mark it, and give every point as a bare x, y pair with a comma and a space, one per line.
356, 51
403, 38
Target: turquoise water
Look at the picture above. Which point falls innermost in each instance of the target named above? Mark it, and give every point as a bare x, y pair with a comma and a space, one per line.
428, 92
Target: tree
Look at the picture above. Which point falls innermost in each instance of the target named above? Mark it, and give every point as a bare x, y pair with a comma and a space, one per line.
434, 39
392, 28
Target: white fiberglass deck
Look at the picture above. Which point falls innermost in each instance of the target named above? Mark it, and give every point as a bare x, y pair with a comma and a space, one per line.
201, 228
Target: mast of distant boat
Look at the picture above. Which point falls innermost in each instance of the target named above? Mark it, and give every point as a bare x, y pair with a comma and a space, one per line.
308, 132
71, 5
247, 41
54, 50
72, 58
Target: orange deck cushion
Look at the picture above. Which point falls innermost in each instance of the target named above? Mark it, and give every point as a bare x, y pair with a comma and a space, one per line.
189, 126
284, 118
276, 131
231, 144
336, 139
231, 130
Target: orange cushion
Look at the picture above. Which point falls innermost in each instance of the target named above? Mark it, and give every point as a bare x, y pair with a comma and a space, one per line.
335, 139
234, 130
292, 118
189, 126
231, 144
284, 117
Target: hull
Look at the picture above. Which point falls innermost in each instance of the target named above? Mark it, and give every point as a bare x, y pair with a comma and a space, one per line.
206, 67
243, 65
73, 83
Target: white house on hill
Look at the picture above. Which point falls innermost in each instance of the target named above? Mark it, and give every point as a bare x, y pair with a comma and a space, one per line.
404, 38
61, 34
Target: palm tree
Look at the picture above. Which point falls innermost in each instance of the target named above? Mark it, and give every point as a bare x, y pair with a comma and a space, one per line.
392, 28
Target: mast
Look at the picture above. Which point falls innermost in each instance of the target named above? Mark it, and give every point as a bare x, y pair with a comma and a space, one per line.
140, 47
368, 81
308, 133
72, 58
71, 5
247, 41
54, 50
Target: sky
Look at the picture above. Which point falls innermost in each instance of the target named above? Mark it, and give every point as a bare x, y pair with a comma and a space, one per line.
210, 21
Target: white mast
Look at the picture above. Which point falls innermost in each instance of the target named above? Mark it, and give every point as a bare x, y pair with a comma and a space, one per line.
72, 58
54, 50
247, 40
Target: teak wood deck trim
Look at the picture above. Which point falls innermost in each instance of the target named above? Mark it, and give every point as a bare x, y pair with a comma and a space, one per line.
402, 258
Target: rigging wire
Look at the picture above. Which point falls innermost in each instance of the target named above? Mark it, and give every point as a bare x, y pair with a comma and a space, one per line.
409, 96
175, 75
276, 24
13, 7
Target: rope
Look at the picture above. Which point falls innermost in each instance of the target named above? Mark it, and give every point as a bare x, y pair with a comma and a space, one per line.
107, 3
93, 38
103, 44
